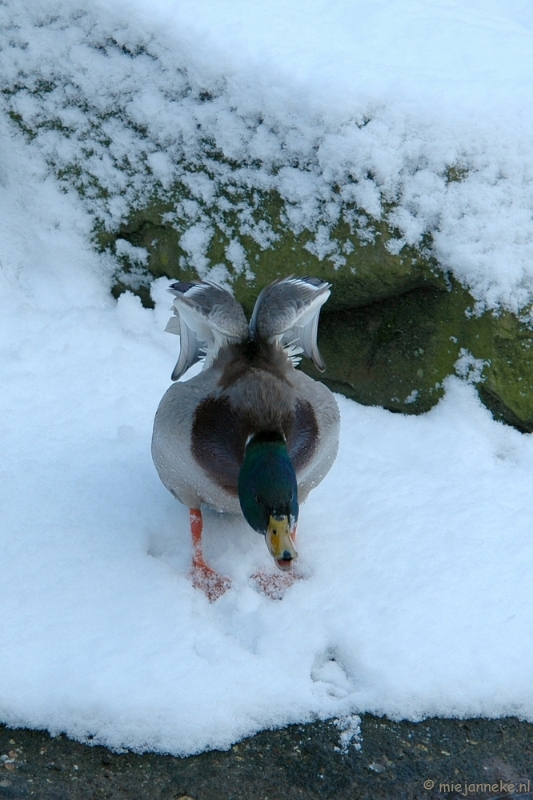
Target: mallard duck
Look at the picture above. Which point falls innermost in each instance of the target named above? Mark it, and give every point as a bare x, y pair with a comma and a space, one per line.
250, 433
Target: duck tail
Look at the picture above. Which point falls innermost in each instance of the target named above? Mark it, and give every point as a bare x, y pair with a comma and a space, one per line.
206, 317
287, 312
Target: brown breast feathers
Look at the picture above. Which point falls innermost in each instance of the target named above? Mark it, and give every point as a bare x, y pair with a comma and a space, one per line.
220, 432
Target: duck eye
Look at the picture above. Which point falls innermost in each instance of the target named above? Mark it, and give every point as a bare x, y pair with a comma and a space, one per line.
257, 498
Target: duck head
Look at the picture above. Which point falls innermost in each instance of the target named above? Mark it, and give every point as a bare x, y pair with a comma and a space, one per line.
268, 494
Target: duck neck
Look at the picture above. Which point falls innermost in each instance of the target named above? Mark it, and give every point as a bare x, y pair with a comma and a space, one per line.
267, 481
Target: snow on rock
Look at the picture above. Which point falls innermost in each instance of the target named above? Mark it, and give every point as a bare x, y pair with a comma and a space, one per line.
388, 105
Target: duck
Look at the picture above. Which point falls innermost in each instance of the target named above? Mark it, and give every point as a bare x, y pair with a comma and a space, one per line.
250, 434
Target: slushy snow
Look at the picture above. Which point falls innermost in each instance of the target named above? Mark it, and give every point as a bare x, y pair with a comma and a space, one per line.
416, 549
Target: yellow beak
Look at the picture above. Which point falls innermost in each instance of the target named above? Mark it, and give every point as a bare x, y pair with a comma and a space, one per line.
279, 542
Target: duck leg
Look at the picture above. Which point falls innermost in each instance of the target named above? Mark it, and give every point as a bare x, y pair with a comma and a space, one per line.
210, 582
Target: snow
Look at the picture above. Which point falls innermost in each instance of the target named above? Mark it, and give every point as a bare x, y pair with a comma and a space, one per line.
368, 102
415, 550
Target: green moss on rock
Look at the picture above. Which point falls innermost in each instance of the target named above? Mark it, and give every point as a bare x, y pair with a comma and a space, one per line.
394, 353
364, 268
397, 353
508, 386
395, 325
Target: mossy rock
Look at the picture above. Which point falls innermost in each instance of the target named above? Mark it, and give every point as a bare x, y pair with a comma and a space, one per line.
508, 386
397, 353
372, 270
395, 324
394, 327
393, 353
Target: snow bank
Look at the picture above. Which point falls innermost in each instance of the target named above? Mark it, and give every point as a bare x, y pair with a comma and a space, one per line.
339, 107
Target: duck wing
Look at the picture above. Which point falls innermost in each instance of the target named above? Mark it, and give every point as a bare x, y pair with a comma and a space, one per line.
206, 317
287, 312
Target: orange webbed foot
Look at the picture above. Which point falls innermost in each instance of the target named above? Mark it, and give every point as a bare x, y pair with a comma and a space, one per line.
203, 577
275, 584
210, 582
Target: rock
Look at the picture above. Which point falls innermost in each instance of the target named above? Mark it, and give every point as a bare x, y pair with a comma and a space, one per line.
397, 353
394, 328
196, 199
362, 264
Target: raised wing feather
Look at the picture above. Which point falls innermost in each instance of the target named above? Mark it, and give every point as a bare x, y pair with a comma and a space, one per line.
206, 317
287, 311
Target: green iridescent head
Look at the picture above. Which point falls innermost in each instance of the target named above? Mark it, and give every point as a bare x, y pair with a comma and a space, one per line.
268, 494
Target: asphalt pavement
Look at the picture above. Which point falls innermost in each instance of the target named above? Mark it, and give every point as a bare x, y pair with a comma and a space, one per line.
437, 759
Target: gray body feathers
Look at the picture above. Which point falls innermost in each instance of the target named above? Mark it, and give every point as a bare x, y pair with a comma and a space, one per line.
248, 385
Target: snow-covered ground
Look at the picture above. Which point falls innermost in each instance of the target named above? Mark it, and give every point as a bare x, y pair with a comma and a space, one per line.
416, 548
